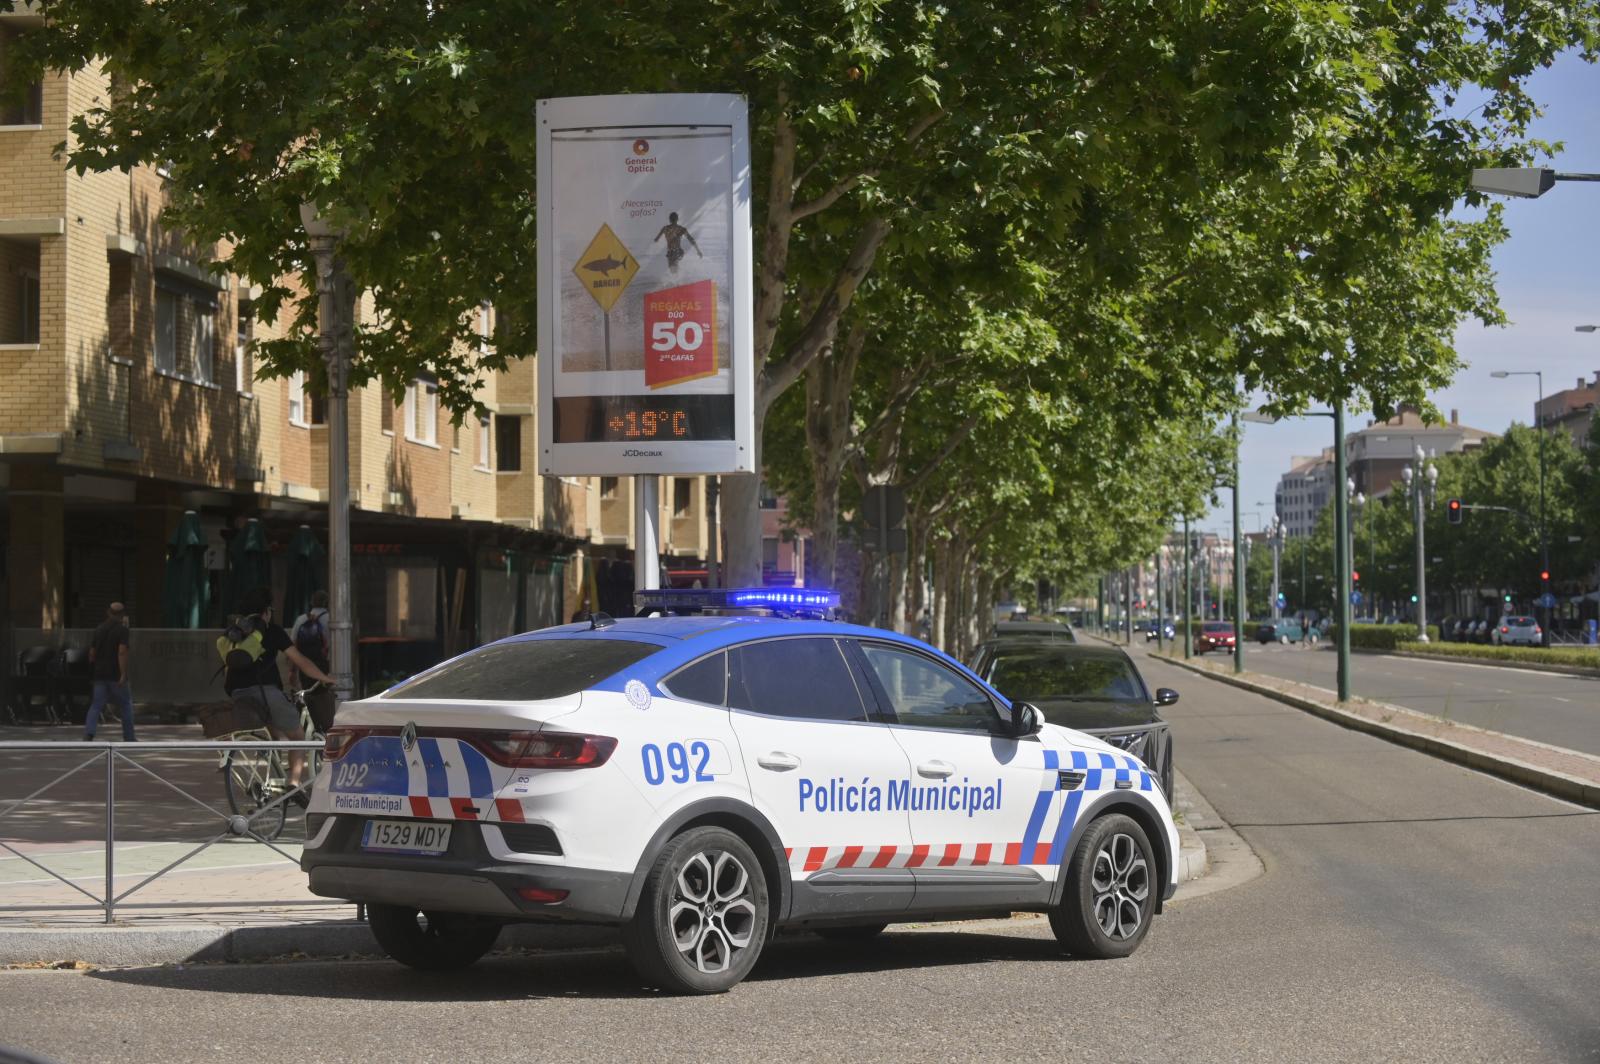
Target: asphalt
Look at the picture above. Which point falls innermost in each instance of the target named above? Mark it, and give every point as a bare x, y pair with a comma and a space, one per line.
1562, 710
1409, 909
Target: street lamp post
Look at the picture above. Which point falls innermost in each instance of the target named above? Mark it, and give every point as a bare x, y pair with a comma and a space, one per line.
1420, 478
1544, 541
335, 307
1238, 561
1358, 500
1275, 538
1161, 601
1188, 595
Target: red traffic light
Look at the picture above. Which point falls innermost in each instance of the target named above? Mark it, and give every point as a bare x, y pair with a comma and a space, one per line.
1355, 576
1454, 511
1544, 574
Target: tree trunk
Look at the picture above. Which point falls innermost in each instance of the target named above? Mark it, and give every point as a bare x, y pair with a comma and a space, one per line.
829, 382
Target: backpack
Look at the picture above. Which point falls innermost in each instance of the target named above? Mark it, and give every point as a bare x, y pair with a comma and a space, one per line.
240, 646
311, 635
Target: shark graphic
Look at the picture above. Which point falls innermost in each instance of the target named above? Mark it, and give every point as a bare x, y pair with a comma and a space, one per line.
606, 265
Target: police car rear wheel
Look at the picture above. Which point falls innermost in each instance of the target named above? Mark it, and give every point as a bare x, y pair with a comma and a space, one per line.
702, 918
432, 942
1110, 891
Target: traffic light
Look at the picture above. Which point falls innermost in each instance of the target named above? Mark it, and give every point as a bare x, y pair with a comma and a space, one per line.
1454, 510
1413, 598
1508, 599
1544, 574
1355, 576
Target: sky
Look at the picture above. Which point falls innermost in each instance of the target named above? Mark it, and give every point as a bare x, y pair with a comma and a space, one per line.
1548, 277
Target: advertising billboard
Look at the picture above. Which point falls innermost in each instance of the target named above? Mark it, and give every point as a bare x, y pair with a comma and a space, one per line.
645, 332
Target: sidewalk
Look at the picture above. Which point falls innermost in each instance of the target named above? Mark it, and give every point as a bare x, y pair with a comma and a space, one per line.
237, 900
1554, 770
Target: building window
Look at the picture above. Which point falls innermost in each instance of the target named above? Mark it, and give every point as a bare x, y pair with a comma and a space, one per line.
508, 444
484, 334
186, 335
769, 552
166, 332
682, 496
385, 412
608, 488
297, 399
244, 365
484, 458
455, 439
422, 412
24, 110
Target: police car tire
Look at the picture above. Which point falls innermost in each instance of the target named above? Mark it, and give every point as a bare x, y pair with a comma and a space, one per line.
1074, 921
447, 942
852, 933
649, 937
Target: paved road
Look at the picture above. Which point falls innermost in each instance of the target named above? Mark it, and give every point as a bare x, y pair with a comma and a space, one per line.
1410, 910
1550, 707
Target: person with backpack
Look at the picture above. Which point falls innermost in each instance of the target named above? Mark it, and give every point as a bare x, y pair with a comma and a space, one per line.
249, 648
310, 635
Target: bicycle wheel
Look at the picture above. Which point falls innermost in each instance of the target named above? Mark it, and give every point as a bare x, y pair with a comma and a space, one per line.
253, 780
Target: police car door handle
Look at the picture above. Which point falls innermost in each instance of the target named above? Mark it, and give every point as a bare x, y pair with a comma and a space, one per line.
936, 770
778, 761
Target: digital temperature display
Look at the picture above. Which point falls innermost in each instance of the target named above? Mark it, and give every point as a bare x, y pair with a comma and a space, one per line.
642, 418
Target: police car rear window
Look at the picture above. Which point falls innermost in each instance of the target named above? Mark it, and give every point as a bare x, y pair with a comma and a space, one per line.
529, 670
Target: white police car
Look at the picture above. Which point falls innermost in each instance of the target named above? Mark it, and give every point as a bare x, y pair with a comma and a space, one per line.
700, 781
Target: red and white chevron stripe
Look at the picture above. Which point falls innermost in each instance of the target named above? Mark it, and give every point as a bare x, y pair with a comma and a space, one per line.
806, 860
508, 810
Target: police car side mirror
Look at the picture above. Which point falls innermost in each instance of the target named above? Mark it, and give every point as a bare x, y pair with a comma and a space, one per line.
1025, 719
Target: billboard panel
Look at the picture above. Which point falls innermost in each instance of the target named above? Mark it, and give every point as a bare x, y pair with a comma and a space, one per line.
645, 338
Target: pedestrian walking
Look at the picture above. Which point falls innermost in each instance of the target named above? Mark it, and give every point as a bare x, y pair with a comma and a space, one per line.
108, 655
310, 635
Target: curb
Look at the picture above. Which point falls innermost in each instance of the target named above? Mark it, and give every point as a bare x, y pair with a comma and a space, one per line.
1558, 784
121, 947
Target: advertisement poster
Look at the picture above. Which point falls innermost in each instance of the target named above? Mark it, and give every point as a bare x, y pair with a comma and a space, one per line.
644, 285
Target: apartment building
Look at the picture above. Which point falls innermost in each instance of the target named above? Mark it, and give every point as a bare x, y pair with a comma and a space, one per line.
129, 396
1303, 492
1378, 454
1570, 410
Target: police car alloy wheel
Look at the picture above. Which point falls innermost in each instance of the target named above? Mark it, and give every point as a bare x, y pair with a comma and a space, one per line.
432, 942
1110, 891
703, 916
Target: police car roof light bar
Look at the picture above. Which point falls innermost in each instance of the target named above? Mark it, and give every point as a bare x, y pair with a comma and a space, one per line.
798, 600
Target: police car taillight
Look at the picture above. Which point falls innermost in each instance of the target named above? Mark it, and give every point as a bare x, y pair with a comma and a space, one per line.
338, 741
546, 749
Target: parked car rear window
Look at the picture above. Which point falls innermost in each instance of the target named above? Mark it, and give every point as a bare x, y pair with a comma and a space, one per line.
1522, 622
528, 670
1038, 677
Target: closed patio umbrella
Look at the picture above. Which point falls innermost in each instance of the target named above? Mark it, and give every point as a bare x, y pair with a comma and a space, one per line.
249, 564
308, 572
186, 591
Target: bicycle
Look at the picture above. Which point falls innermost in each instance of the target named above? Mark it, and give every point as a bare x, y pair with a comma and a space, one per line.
257, 781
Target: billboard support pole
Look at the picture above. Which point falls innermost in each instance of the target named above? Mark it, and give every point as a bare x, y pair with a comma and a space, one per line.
646, 532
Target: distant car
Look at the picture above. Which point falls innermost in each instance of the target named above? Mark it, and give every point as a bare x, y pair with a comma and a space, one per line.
1461, 630
1214, 635
1511, 630
1479, 632
1164, 627
1096, 690
1283, 630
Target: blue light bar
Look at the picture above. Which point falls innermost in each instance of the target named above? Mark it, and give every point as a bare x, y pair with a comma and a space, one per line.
776, 599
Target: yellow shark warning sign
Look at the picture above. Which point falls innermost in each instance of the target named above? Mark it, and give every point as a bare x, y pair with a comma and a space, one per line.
605, 268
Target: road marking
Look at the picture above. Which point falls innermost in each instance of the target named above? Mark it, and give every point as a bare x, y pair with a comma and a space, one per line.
121, 849
1558, 698
143, 874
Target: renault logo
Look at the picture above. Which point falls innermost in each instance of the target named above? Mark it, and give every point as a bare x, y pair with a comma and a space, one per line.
408, 735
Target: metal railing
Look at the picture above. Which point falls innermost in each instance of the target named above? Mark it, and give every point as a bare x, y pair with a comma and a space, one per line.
234, 825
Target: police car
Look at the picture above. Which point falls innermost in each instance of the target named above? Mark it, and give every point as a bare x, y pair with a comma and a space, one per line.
702, 780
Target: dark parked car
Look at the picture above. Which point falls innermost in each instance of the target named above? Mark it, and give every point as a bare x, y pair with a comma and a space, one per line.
1092, 689
1283, 630
1034, 630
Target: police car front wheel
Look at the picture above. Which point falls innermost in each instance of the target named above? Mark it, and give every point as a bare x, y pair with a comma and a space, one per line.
1106, 909
432, 942
703, 915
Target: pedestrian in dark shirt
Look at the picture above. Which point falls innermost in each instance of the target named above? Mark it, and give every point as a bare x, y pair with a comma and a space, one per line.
108, 653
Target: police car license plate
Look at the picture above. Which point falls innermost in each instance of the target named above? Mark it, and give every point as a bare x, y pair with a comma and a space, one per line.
406, 836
